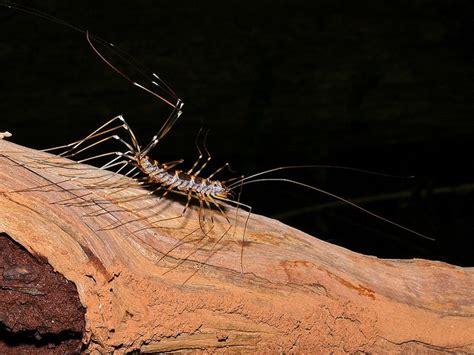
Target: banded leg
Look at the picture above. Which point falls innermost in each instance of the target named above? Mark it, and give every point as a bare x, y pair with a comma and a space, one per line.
208, 155
201, 219
181, 215
190, 171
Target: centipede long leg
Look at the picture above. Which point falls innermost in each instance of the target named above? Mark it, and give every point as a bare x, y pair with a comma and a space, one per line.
200, 154
208, 156
181, 215
198, 242
179, 243
130, 160
211, 253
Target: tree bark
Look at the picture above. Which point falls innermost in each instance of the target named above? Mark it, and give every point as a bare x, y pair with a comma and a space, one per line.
291, 293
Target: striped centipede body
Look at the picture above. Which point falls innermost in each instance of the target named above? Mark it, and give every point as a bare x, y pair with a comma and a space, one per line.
211, 193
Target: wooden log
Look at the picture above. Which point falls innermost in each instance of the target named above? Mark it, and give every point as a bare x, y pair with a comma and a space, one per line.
295, 294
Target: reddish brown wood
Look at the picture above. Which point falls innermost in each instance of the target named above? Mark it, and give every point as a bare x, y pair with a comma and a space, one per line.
30, 291
296, 293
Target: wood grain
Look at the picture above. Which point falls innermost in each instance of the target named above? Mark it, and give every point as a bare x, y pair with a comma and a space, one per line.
295, 294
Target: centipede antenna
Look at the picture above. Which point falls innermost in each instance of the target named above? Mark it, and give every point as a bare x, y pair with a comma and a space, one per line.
138, 170
318, 166
340, 199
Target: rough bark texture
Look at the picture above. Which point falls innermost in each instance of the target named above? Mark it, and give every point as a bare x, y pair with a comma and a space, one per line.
296, 293
40, 311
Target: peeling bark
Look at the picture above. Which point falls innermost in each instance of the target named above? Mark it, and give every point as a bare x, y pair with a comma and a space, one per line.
295, 294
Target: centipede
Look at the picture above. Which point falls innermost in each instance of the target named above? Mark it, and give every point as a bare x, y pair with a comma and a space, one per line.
158, 179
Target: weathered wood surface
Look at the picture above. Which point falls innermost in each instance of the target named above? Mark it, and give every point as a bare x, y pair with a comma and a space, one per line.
296, 293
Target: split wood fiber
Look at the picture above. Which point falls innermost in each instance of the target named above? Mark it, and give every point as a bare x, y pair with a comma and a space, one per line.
296, 293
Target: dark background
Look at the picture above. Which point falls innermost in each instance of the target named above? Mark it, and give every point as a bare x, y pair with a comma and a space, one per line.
379, 85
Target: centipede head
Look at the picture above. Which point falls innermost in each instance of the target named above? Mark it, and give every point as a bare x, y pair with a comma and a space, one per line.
221, 191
